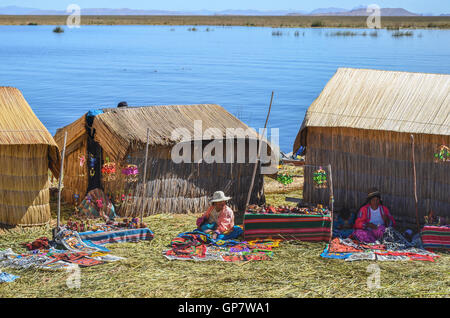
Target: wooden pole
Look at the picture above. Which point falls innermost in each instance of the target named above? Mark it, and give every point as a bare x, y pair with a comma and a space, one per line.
258, 156
144, 179
415, 185
61, 175
331, 200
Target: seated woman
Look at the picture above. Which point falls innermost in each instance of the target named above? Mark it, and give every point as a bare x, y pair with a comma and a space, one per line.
218, 220
343, 226
372, 219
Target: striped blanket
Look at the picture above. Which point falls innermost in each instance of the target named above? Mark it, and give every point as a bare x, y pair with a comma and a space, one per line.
302, 227
119, 236
436, 237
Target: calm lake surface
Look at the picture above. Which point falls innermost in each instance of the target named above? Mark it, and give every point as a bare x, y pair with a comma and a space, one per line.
62, 76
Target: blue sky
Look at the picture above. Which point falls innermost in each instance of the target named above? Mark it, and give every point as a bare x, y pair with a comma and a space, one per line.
418, 6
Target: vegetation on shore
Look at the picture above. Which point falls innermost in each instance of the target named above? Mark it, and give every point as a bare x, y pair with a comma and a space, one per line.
58, 29
416, 22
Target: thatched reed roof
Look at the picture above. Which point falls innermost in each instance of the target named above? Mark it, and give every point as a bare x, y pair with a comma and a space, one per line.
20, 126
382, 100
117, 129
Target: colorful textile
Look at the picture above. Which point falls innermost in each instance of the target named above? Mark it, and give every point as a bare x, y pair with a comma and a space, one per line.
352, 250
287, 226
117, 236
199, 246
42, 260
7, 278
436, 237
95, 203
72, 241
40, 243
337, 255
363, 217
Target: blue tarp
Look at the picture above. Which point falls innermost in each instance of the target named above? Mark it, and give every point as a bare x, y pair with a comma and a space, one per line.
94, 112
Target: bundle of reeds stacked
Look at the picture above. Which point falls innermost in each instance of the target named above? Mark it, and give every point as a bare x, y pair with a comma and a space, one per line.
27, 151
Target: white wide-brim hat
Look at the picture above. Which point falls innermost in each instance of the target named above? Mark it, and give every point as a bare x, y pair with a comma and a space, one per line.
219, 196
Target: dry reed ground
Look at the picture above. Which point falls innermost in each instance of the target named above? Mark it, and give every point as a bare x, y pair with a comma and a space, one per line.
297, 270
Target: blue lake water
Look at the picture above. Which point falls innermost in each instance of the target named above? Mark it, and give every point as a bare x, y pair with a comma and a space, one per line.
64, 75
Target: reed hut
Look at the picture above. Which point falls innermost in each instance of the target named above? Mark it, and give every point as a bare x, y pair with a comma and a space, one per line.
27, 152
118, 136
362, 123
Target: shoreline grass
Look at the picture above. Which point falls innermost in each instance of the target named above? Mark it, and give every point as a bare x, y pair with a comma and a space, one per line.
419, 22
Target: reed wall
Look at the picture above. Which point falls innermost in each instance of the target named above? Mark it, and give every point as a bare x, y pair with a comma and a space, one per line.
362, 159
24, 184
171, 187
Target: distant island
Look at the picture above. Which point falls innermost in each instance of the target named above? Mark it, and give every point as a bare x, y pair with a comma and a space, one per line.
391, 18
359, 11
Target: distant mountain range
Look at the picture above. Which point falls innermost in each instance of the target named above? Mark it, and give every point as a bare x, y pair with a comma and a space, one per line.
358, 11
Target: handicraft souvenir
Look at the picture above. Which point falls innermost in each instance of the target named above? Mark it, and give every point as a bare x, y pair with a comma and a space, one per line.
285, 179
442, 154
76, 197
320, 178
268, 209
109, 170
131, 173
92, 161
82, 162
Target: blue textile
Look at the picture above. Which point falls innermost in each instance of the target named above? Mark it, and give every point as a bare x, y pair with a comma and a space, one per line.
208, 226
118, 236
7, 278
326, 254
340, 222
99, 247
235, 233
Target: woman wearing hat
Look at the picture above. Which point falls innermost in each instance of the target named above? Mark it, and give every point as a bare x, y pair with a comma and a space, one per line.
372, 219
218, 220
